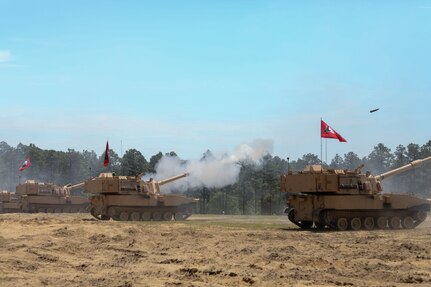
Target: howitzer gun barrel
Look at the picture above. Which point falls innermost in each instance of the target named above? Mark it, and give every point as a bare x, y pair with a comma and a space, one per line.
412, 165
70, 187
78, 185
168, 180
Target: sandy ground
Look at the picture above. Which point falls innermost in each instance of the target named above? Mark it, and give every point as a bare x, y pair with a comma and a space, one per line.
75, 250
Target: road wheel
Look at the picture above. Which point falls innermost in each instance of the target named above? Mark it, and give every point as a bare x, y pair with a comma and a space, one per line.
382, 222
306, 224
342, 223
319, 225
157, 215
50, 210
394, 222
96, 214
124, 216
66, 209
355, 223
369, 223
41, 210
291, 215
408, 222
146, 216
104, 217
421, 215
135, 216
179, 216
93, 212
81, 210
112, 212
58, 210
167, 216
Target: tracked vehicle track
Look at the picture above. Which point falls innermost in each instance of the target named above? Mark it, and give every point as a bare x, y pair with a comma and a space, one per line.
143, 213
363, 219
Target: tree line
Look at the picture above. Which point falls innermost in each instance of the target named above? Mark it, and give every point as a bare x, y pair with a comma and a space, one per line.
257, 190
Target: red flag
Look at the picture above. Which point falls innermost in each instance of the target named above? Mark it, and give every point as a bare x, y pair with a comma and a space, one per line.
26, 164
327, 132
106, 161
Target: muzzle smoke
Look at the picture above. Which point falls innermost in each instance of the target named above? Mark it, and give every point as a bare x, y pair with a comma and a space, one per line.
212, 171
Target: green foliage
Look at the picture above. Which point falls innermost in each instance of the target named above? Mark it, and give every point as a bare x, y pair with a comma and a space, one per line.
134, 162
351, 161
172, 154
416, 180
257, 190
153, 162
223, 202
380, 159
115, 164
307, 159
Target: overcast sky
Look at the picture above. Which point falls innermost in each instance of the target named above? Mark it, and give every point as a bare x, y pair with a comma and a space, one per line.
195, 75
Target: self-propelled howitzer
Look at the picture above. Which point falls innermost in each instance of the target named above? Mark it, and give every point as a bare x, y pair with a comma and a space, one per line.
10, 202
33, 196
342, 199
131, 198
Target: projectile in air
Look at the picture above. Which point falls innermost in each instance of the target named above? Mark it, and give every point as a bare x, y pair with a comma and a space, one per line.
375, 110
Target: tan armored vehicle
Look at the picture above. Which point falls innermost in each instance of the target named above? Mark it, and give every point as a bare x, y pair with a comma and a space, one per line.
47, 197
342, 199
131, 198
9, 202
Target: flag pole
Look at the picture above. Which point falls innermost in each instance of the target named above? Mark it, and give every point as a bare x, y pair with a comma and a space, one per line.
326, 152
321, 144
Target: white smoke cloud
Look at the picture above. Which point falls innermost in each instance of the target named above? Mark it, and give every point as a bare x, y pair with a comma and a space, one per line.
212, 170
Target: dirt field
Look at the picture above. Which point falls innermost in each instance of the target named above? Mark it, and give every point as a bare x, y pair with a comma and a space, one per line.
75, 250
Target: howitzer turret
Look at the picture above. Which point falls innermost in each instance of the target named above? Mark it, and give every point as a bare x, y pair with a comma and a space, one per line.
344, 199
154, 185
131, 198
34, 196
9, 202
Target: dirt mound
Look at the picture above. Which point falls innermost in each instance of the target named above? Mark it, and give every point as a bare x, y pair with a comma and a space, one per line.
71, 250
